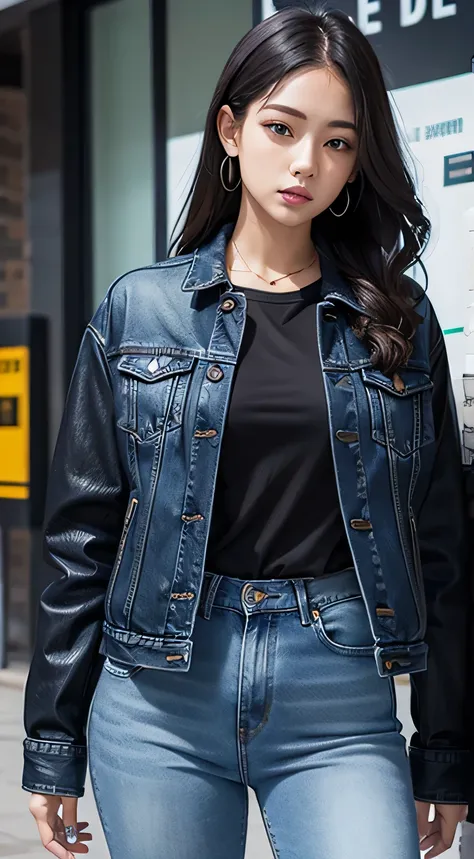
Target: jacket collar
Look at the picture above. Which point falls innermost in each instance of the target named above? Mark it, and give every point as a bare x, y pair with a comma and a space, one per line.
208, 268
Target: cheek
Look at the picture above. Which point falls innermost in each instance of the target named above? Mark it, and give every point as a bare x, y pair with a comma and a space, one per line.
335, 170
339, 166
262, 163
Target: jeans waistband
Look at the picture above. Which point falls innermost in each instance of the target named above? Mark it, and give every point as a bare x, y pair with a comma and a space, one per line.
276, 595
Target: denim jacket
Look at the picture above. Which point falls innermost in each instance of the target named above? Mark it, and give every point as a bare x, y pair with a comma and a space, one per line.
131, 491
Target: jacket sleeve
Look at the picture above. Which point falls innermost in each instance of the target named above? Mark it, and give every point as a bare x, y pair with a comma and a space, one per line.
469, 490
439, 749
85, 509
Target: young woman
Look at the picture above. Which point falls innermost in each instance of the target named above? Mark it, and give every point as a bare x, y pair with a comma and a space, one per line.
256, 502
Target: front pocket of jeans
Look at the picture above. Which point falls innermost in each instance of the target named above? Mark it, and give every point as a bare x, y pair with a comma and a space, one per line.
343, 627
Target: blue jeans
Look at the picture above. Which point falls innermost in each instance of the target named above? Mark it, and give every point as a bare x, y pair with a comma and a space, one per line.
282, 695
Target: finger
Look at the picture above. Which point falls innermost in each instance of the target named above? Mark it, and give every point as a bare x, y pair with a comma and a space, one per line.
56, 849
432, 836
69, 815
448, 831
78, 846
62, 837
84, 836
422, 814
81, 834
429, 842
47, 838
434, 842
69, 818
437, 850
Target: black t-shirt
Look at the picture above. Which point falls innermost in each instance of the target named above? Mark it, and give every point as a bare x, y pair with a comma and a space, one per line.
276, 511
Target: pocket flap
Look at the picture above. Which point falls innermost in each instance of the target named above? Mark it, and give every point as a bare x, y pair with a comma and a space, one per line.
153, 368
413, 381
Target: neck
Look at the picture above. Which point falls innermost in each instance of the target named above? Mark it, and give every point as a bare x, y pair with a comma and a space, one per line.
269, 247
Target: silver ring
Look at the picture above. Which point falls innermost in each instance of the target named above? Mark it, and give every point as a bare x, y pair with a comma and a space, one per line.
71, 834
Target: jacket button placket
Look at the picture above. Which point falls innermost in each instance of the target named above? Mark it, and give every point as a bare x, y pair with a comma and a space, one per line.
226, 339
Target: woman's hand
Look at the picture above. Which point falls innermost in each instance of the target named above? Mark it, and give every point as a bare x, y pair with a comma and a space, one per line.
54, 831
438, 835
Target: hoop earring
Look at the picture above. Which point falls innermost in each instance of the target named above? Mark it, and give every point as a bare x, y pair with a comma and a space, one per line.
347, 206
230, 176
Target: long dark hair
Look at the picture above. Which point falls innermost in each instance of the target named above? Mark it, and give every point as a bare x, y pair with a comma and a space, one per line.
385, 228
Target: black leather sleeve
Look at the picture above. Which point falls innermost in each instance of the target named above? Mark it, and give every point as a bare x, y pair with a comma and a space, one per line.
469, 491
85, 509
439, 750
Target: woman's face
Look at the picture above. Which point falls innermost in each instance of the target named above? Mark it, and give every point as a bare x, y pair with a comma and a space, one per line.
302, 135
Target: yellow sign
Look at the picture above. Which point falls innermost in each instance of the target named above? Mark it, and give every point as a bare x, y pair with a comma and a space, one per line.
14, 422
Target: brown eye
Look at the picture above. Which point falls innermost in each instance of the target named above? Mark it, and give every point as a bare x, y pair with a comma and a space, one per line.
345, 145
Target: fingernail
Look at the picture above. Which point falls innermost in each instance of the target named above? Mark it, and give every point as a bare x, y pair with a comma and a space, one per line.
71, 834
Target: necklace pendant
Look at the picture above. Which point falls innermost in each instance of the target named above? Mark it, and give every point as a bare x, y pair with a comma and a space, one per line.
273, 283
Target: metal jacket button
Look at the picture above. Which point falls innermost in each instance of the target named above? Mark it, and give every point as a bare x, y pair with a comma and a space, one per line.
399, 384
228, 305
361, 524
215, 373
346, 436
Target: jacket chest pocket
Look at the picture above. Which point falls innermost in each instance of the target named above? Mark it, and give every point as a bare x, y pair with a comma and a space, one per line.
152, 393
401, 413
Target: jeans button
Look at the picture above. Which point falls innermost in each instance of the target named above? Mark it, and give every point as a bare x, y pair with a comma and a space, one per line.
252, 596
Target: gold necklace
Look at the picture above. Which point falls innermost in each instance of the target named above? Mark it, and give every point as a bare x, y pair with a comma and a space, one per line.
277, 279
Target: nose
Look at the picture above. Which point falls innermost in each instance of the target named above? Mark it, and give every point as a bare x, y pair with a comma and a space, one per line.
303, 163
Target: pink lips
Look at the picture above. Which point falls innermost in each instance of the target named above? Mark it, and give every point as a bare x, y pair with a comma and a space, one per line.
296, 196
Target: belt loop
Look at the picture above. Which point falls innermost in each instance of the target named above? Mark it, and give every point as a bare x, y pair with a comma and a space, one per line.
211, 595
302, 601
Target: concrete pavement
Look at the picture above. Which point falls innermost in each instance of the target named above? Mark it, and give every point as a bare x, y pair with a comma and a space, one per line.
18, 833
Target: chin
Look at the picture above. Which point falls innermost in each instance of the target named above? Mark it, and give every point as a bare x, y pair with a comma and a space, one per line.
291, 217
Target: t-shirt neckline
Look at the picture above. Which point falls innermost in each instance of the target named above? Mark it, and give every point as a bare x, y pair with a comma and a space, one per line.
305, 294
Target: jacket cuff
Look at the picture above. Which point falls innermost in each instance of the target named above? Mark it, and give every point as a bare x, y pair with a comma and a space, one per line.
440, 775
54, 767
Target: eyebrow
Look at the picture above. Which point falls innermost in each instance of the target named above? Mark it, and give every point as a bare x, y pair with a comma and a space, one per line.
335, 123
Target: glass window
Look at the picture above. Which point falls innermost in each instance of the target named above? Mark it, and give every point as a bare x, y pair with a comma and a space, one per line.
200, 38
121, 145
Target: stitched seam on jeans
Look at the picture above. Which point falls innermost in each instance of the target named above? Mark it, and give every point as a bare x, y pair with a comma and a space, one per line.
339, 649
270, 643
270, 834
241, 731
96, 792
95, 788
